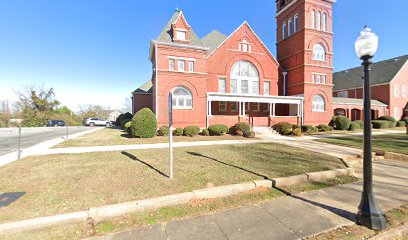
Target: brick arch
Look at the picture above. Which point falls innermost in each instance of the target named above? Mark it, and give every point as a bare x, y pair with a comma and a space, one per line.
319, 40
182, 83
318, 92
244, 57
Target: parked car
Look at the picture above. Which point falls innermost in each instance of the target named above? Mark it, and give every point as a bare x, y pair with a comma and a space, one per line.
97, 122
55, 123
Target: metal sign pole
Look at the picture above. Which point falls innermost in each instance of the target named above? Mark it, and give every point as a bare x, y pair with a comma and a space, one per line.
66, 138
171, 134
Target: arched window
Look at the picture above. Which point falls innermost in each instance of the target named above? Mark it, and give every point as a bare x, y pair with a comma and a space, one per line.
313, 19
284, 30
318, 104
319, 53
290, 27
319, 20
182, 98
296, 23
324, 22
244, 78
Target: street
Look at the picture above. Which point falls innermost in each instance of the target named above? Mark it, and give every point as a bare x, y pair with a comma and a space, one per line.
32, 136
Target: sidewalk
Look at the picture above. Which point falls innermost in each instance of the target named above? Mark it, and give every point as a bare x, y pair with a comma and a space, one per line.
292, 217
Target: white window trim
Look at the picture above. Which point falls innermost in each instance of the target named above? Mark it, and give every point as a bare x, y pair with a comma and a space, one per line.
264, 92
324, 21
178, 65
396, 90
219, 85
250, 80
404, 91
313, 18
290, 26
170, 66
181, 30
184, 97
284, 31
319, 20
314, 106
316, 58
191, 63
296, 23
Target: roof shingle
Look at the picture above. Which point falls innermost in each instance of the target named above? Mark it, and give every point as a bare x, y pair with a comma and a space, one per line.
213, 40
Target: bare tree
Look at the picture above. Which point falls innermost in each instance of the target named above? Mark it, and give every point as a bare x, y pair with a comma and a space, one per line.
127, 105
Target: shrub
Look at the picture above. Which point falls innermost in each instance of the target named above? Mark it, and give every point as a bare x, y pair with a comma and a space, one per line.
286, 132
240, 133
205, 132
295, 126
401, 124
297, 132
324, 128
124, 121
342, 123
282, 127
387, 118
122, 117
218, 129
128, 127
379, 124
163, 131
308, 128
240, 126
191, 131
178, 132
355, 125
405, 120
144, 124
249, 134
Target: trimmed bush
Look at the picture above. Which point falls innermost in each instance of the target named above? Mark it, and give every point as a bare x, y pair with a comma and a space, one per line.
380, 124
296, 132
205, 132
249, 134
128, 127
324, 128
405, 120
144, 124
282, 127
122, 117
308, 128
218, 129
356, 125
295, 126
240, 126
124, 121
240, 133
163, 131
342, 123
387, 118
287, 132
178, 132
401, 124
191, 131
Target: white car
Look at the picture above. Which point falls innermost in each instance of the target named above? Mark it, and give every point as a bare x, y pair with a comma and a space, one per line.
97, 122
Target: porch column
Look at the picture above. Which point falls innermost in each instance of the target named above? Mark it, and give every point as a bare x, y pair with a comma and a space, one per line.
298, 109
273, 109
243, 109
209, 108
240, 108
270, 109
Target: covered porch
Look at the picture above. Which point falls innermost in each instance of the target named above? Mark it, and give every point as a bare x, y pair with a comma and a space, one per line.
257, 110
353, 108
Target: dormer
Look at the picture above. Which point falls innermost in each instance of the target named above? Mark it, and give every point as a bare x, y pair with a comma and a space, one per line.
181, 29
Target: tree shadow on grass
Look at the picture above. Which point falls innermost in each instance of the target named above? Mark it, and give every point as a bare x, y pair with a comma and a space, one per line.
134, 158
227, 164
9, 197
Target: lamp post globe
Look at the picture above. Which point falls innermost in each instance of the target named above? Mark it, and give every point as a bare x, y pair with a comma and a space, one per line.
369, 214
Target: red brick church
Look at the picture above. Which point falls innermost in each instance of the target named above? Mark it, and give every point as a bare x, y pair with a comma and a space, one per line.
226, 79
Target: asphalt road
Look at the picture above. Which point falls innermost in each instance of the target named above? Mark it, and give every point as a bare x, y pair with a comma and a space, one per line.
32, 136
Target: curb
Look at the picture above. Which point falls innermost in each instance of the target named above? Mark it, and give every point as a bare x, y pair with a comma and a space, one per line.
392, 233
120, 209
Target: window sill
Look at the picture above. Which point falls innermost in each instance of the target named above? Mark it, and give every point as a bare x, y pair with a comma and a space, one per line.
175, 108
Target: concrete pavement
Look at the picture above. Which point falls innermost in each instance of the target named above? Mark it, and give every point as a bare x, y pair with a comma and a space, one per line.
32, 136
291, 217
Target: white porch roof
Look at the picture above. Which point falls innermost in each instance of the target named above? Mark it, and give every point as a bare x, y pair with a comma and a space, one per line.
230, 97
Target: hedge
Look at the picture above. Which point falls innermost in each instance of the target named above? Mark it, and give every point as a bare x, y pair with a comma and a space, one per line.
297, 132
380, 124
295, 126
163, 131
191, 131
342, 123
387, 118
240, 126
249, 134
401, 124
128, 127
324, 128
144, 124
178, 132
122, 117
218, 129
309, 128
405, 120
283, 127
124, 121
205, 132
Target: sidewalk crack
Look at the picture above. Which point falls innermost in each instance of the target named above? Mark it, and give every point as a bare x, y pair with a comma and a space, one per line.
290, 229
213, 218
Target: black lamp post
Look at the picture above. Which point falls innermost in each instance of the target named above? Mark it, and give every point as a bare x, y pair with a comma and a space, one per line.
369, 214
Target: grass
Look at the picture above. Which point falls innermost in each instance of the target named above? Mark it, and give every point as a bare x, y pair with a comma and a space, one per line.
395, 218
166, 214
113, 136
348, 132
65, 183
397, 143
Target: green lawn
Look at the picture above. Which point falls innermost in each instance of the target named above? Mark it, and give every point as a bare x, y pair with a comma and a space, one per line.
397, 143
113, 136
65, 183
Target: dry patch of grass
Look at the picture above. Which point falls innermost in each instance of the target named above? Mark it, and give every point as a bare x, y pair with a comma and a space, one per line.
394, 217
65, 183
397, 143
166, 214
112, 136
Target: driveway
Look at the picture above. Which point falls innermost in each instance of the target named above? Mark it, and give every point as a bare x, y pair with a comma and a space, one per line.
32, 136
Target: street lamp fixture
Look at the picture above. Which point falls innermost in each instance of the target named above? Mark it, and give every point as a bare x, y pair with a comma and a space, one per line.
369, 214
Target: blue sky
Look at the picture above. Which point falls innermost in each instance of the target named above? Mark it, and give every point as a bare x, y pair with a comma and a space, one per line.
96, 51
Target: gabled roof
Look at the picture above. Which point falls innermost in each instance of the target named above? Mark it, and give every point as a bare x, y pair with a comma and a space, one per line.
213, 40
147, 87
381, 73
356, 101
167, 36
